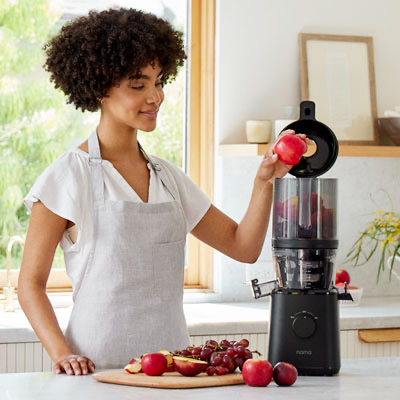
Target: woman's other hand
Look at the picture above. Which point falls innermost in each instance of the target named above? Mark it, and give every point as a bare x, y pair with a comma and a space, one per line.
74, 365
271, 167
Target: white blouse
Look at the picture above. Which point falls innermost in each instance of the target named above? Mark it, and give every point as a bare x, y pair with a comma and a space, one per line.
64, 188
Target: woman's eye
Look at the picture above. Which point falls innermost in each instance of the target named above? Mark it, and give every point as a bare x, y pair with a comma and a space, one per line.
137, 87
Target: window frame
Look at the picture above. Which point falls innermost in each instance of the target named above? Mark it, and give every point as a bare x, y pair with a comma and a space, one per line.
199, 274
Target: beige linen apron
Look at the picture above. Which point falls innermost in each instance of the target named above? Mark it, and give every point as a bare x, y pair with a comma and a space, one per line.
130, 299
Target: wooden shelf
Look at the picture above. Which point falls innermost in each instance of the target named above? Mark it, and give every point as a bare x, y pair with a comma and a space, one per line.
249, 150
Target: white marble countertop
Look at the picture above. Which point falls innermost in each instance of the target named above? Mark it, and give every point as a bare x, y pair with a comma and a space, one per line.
367, 379
227, 318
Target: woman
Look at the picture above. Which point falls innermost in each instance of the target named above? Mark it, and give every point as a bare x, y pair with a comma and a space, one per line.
122, 216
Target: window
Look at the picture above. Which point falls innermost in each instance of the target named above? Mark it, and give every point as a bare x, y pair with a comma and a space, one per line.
37, 126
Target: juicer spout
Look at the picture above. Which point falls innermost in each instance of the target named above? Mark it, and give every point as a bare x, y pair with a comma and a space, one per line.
257, 291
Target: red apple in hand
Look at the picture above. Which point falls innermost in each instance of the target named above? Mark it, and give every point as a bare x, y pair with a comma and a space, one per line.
285, 374
257, 372
154, 364
342, 276
290, 149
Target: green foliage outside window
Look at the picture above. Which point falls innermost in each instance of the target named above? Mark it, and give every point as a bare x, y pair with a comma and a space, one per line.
37, 125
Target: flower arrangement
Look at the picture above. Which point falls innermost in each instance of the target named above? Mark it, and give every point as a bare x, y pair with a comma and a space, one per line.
382, 234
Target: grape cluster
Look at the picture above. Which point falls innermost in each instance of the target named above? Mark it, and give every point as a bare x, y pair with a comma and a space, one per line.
223, 358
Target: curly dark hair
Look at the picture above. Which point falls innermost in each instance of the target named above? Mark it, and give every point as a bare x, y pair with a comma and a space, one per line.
95, 52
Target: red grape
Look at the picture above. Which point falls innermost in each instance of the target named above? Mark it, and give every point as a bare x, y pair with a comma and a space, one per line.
244, 343
248, 354
210, 371
231, 352
206, 353
221, 370
240, 350
226, 360
196, 351
216, 361
239, 361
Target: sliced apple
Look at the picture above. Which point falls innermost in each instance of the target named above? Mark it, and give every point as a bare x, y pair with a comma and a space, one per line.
189, 366
167, 354
133, 368
170, 363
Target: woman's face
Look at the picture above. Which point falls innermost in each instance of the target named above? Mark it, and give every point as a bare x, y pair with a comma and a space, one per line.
136, 101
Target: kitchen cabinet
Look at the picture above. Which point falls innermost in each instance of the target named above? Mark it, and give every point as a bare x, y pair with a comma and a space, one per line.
376, 321
32, 357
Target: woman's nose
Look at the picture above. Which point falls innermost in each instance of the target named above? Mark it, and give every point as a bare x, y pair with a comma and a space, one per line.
155, 96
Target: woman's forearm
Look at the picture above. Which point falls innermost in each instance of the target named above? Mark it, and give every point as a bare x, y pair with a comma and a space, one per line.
250, 234
39, 311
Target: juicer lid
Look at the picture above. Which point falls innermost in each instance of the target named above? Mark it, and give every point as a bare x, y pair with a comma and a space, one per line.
327, 146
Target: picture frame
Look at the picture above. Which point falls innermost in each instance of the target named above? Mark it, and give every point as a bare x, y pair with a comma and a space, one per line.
337, 73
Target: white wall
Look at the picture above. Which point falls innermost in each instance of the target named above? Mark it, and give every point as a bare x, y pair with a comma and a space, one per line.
257, 53
257, 74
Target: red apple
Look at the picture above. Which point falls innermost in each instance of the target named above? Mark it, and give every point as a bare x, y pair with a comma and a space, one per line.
342, 276
154, 364
257, 372
189, 366
290, 149
285, 374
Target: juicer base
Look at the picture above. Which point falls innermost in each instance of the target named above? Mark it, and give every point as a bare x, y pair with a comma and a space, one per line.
304, 331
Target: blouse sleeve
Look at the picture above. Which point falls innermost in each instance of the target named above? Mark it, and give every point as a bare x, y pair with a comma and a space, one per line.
193, 200
60, 188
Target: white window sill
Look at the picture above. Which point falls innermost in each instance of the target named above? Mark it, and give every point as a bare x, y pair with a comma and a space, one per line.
64, 299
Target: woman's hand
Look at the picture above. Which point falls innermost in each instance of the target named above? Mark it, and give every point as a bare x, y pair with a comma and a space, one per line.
74, 365
271, 167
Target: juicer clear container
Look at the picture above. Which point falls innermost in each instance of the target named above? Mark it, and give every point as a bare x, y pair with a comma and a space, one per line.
304, 232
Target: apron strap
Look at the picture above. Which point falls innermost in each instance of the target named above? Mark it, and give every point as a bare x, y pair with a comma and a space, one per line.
95, 163
161, 173
96, 170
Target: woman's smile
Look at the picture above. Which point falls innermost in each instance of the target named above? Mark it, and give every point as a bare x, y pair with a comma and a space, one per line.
150, 114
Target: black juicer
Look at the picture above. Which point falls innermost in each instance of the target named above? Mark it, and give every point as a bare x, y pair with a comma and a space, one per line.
304, 316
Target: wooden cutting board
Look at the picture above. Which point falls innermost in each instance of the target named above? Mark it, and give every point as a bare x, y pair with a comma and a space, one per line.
169, 380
